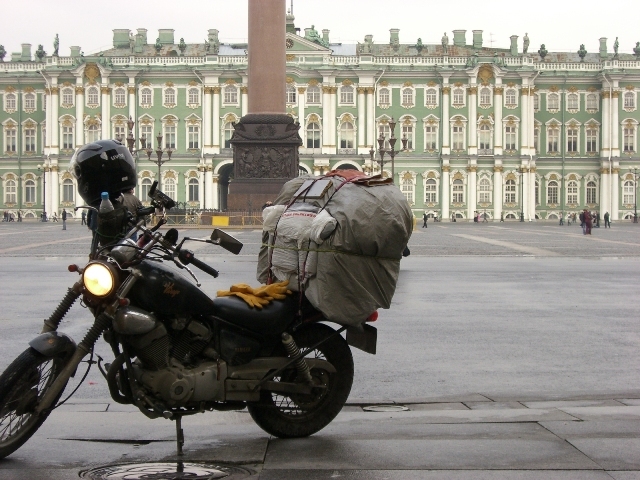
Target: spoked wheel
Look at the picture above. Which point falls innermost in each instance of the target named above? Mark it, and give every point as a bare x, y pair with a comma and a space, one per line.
301, 415
22, 385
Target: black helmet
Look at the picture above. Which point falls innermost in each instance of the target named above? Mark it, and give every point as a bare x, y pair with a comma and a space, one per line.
103, 166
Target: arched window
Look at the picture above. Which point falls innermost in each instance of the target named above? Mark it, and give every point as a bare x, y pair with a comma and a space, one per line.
170, 136
458, 191
485, 96
592, 192
30, 139
431, 136
572, 139
627, 192
313, 94
552, 192
170, 187
193, 137
169, 96
510, 137
30, 101
194, 190
383, 97
93, 133
194, 96
553, 101
407, 97
231, 94
145, 186
629, 100
484, 191
347, 136
313, 135
510, 97
385, 131
484, 139
458, 96
120, 96
145, 96
407, 189
10, 191
510, 191
407, 132
431, 97
592, 101
68, 190
67, 96
346, 94
30, 191
10, 101
572, 192
291, 93
228, 133
430, 191
457, 137
93, 96
572, 101
67, 138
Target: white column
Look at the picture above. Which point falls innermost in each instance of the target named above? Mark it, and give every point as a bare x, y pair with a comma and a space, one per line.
54, 189
362, 148
615, 197
206, 121
201, 187
446, 128
333, 99
532, 192
49, 122
302, 101
524, 124
79, 113
214, 192
131, 90
605, 186
497, 192
245, 100
446, 187
473, 190
216, 125
532, 123
106, 109
371, 118
607, 128
473, 120
326, 120
208, 184
54, 126
615, 127
524, 171
498, 127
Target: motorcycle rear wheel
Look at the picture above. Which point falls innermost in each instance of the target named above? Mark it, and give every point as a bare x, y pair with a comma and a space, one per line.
22, 385
296, 415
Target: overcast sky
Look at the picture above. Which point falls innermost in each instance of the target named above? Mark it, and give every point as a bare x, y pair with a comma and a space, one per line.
560, 24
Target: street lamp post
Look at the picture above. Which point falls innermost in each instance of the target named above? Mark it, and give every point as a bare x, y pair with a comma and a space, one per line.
159, 152
391, 151
635, 193
522, 194
44, 169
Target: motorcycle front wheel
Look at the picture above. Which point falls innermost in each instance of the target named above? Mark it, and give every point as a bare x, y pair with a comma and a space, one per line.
301, 415
22, 385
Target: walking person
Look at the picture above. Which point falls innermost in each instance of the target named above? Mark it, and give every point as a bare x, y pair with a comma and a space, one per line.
54, 217
19, 215
597, 219
606, 220
84, 218
484, 217
588, 222
424, 220
64, 219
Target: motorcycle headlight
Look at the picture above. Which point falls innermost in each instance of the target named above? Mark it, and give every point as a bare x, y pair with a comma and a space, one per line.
99, 279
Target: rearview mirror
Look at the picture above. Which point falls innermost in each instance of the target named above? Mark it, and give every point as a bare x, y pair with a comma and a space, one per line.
226, 241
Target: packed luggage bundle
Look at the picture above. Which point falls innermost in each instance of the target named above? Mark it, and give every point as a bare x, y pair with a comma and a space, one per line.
338, 239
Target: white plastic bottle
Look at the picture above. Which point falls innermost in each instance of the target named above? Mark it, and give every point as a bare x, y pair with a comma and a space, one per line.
105, 205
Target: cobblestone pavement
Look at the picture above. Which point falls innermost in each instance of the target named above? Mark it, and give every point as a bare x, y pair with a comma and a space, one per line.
544, 239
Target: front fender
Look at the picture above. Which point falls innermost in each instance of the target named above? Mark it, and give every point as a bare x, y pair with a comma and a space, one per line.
52, 344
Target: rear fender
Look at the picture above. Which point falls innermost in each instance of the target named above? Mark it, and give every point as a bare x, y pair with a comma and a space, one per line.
52, 344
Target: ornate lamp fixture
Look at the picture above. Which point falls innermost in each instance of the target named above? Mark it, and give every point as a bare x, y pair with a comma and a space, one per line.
391, 151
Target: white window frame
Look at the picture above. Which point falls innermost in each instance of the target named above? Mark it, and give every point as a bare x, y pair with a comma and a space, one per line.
169, 186
555, 127
458, 196
315, 131
408, 186
10, 134
431, 193
483, 94
169, 133
385, 129
119, 92
556, 103
11, 191
486, 149
628, 190
575, 126
510, 191
145, 186
92, 133
592, 102
384, 92
169, 97
510, 98
68, 131
347, 95
591, 191
146, 93
314, 95
230, 97
227, 132
29, 100
342, 130
68, 190
408, 97
10, 101
551, 193
485, 196
433, 124
431, 93
290, 94
70, 93
572, 193
458, 93
193, 96
629, 101
30, 191
92, 92
536, 102
25, 137
193, 183
513, 134
573, 102
591, 126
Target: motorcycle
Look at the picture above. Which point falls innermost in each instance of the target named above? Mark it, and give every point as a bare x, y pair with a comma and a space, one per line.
177, 351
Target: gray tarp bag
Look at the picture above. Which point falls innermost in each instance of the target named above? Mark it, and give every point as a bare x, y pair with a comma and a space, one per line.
355, 269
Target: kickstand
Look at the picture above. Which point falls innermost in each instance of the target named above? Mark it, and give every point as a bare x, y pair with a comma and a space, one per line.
179, 435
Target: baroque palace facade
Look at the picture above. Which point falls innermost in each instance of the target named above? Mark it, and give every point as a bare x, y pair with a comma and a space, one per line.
498, 131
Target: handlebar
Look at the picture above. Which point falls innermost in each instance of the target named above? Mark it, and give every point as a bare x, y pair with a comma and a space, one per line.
187, 257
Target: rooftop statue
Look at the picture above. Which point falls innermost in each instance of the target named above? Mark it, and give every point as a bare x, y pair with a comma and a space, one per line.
312, 34
582, 52
543, 51
182, 46
419, 45
40, 53
636, 50
3, 52
56, 44
616, 45
158, 45
445, 42
525, 43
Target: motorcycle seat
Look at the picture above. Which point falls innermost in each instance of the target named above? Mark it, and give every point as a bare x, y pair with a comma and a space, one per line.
272, 318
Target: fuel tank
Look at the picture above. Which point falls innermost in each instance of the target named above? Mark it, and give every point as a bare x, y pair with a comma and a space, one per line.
163, 289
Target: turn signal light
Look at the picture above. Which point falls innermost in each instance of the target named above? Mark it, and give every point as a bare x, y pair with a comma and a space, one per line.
73, 268
373, 317
123, 302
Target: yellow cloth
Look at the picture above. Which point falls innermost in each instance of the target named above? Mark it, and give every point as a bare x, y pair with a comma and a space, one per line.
260, 296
